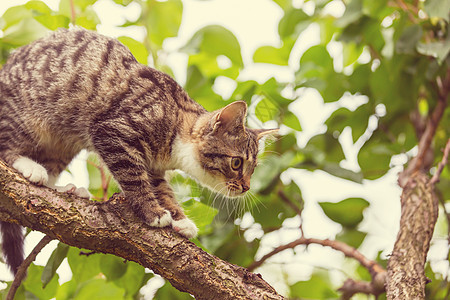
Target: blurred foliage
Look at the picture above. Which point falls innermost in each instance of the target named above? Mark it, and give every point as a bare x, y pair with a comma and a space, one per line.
393, 55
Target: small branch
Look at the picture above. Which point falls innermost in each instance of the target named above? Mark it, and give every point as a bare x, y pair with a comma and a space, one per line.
441, 165
351, 287
72, 11
22, 271
372, 266
294, 207
419, 163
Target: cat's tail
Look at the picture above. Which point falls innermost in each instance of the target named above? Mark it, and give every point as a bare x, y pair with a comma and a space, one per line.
12, 244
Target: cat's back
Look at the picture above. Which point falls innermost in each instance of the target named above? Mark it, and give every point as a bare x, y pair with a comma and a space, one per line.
72, 64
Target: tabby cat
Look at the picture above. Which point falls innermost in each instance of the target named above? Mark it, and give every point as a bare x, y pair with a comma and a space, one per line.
76, 89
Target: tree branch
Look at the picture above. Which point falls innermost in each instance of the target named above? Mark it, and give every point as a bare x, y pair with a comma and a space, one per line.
112, 227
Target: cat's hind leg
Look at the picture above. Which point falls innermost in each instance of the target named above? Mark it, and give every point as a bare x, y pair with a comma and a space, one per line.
38, 174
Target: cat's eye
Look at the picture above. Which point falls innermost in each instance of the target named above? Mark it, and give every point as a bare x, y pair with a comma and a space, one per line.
236, 163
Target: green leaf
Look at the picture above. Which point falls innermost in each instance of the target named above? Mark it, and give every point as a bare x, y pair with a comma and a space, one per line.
137, 48
291, 120
24, 32
317, 287
199, 88
88, 19
67, 290
215, 40
53, 22
163, 19
237, 250
284, 4
437, 8
84, 4
266, 110
351, 52
15, 15
245, 90
123, 2
358, 82
133, 279
269, 170
351, 237
85, 15
273, 55
293, 23
54, 262
439, 50
374, 8
408, 39
324, 147
315, 62
353, 12
99, 289
38, 7
272, 90
167, 291
84, 267
200, 213
336, 170
112, 266
348, 212
358, 120
374, 158
33, 283
95, 178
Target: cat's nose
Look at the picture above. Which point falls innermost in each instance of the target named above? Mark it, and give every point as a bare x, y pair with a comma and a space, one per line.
245, 188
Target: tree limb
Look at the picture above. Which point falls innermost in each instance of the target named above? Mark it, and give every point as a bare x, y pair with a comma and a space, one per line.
112, 227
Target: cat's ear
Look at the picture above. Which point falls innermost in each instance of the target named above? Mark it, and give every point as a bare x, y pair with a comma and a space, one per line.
231, 117
261, 133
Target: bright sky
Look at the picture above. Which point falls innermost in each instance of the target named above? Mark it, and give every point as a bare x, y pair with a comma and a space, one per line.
254, 22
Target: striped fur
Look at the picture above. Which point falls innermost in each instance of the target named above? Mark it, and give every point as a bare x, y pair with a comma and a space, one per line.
77, 89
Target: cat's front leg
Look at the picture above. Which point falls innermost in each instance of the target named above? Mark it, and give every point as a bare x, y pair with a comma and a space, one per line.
181, 224
147, 208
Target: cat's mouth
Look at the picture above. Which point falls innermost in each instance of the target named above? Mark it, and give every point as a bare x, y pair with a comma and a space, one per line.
236, 189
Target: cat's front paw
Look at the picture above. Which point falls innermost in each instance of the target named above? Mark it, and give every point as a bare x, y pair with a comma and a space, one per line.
162, 221
185, 227
31, 170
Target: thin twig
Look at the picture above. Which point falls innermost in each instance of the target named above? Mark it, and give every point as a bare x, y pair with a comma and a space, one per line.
351, 287
418, 162
348, 251
22, 270
72, 11
441, 165
292, 205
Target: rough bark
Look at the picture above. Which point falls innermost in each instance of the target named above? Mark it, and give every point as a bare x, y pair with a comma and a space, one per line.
406, 268
111, 227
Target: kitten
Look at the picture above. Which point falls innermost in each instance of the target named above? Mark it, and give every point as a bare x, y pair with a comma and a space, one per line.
77, 89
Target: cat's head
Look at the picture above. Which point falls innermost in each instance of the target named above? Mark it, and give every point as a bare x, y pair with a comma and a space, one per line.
228, 150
